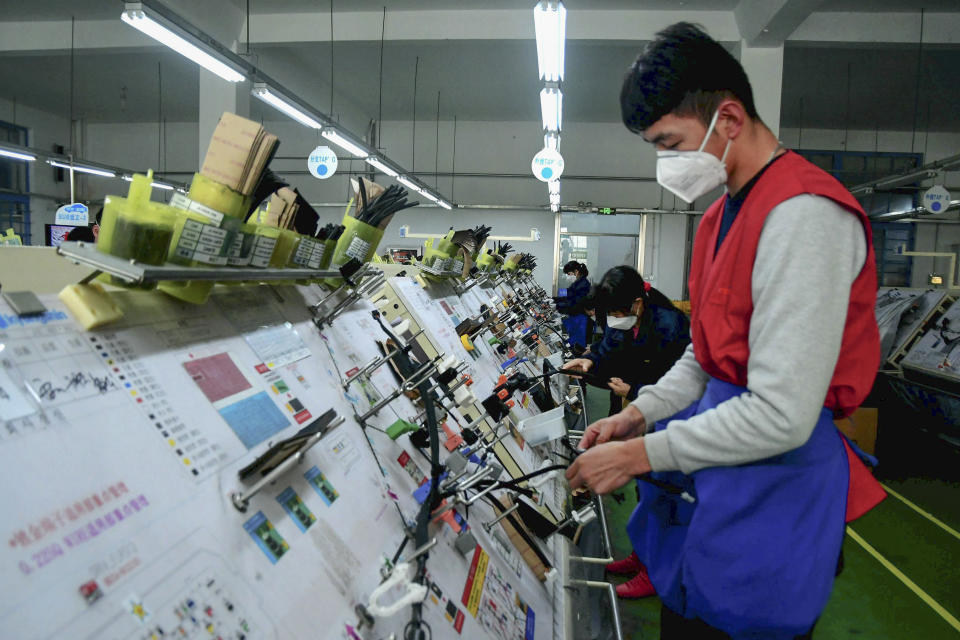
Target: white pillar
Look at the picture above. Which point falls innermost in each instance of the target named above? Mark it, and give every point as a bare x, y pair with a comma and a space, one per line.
764, 67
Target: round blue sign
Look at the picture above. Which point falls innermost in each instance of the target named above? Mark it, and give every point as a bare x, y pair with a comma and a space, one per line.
322, 169
935, 206
547, 173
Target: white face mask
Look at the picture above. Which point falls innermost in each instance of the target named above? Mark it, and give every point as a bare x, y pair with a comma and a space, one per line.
571, 277
626, 322
691, 174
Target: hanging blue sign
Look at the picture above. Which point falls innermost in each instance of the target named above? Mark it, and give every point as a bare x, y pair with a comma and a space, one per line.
322, 162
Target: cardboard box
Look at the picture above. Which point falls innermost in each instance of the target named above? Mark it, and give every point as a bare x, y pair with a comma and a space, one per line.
238, 152
861, 428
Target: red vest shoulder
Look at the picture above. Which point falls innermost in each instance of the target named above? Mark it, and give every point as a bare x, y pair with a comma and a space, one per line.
721, 291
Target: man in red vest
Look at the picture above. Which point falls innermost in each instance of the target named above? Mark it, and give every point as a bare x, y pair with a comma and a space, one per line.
784, 339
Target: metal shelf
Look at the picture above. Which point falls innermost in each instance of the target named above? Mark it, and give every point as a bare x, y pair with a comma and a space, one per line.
138, 273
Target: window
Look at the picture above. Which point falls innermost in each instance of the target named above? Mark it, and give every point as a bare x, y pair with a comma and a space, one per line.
893, 269
14, 177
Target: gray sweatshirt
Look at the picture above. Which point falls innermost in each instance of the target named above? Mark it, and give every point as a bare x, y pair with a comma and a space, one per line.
810, 252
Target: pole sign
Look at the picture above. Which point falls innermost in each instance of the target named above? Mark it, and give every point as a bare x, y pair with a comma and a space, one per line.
936, 199
322, 162
76, 215
547, 165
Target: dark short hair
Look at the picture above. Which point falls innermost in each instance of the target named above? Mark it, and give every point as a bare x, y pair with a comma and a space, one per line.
83, 234
621, 286
685, 72
573, 265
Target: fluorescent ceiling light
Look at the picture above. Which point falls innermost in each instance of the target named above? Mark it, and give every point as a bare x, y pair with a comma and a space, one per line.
157, 185
550, 23
344, 143
263, 92
551, 108
554, 187
16, 155
443, 203
376, 163
429, 196
82, 169
409, 184
135, 16
551, 140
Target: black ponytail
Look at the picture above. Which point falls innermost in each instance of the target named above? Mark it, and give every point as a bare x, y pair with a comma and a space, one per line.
620, 286
579, 267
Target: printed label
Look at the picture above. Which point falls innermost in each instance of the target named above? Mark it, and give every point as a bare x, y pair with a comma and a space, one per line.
241, 250
181, 201
358, 248
457, 266
306, 255
201, 242
262, 251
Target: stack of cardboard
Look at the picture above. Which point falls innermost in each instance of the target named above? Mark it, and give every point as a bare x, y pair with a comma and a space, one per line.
282, 210
239, 151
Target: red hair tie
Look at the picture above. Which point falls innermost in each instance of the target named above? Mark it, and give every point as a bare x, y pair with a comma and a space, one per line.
646, 287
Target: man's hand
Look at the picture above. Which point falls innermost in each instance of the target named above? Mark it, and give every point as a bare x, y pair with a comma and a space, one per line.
619, 387
579, 364
629, 423
607, 467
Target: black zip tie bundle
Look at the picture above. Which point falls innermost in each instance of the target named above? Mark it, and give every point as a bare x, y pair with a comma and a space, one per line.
374, 212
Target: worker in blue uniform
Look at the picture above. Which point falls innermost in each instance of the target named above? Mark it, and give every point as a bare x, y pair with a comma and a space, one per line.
575, 321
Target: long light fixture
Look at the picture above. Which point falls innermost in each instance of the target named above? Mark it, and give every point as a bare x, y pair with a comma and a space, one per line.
443, 203
263, 92
376, 163
82, 169
155, 185
551, 107
135, 15
550, 22
16, 155
410, 184
345, 143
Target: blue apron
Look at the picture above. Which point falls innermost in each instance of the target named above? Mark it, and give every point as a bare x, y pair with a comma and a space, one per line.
576, 328
757, 553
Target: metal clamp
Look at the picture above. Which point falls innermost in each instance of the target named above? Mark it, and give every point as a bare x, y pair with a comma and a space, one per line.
487, 526
365, 288
413, 592
241, 500
416, 378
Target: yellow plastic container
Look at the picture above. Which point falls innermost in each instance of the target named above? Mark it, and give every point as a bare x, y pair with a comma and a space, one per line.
287, 242
265, 246
218, 197
134, 228
359, 240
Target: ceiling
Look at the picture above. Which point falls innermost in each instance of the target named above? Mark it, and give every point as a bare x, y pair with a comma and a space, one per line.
482, 80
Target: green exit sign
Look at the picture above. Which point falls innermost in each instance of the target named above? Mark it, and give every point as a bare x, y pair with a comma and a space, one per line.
606, 211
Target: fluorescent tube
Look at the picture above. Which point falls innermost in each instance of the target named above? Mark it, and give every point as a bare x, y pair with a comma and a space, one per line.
16, 155
409, 184
551, 107
443, 203
347, 145
263, 92
550, 23
375, 162
135, 16
82, 169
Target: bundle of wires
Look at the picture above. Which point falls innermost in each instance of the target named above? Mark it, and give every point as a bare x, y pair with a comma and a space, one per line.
330, 232
377, 211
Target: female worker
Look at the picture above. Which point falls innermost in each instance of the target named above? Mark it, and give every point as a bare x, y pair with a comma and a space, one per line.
576, 321
646, 335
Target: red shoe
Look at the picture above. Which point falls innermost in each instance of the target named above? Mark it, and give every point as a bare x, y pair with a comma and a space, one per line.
639, 586
627, 567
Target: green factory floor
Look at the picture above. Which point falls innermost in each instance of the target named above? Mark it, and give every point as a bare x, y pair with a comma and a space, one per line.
905, 587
